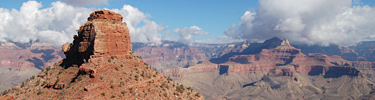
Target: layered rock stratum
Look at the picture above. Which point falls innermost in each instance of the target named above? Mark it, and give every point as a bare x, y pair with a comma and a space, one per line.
99, 64
275, 70
175, 54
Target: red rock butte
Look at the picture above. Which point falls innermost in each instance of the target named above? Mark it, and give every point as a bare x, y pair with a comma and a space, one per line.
104, 34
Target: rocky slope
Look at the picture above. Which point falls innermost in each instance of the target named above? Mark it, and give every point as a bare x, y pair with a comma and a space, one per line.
276, 70
99, 64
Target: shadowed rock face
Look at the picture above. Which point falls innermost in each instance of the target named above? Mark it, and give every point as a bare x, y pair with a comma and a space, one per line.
103, 34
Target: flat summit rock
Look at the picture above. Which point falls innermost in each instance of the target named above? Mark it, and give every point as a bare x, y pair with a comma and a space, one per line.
102, 35
106, 15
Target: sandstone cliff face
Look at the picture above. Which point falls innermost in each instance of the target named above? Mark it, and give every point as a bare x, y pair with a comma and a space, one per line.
276, 70
104, 34
99, 64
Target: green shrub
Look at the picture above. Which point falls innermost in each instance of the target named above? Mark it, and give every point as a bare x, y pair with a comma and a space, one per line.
180, 88
198, 95
22, 84
79, 78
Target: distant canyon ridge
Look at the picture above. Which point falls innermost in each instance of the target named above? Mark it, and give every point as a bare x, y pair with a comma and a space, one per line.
19, 61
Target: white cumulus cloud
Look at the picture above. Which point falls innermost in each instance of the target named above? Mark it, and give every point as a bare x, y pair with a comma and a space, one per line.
186, 34
57, 24
307, 21
149, 32
219, 40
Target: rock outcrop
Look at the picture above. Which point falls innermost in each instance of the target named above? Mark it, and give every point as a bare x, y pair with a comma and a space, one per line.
99, 65
103, 35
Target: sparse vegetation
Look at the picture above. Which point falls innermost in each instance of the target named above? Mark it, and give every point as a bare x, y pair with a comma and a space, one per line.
131, 91
164, 85
112, 86
143, 74
180, 88
103, 94
122, 65
48, 68
79, 78
191, 89
113, 96
121, 84
22, 84
169, 79
136, 77
198, 95
116, 68
139, 57
5, 92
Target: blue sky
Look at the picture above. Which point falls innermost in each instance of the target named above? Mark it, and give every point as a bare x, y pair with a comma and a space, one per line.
209, 21
211, 16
